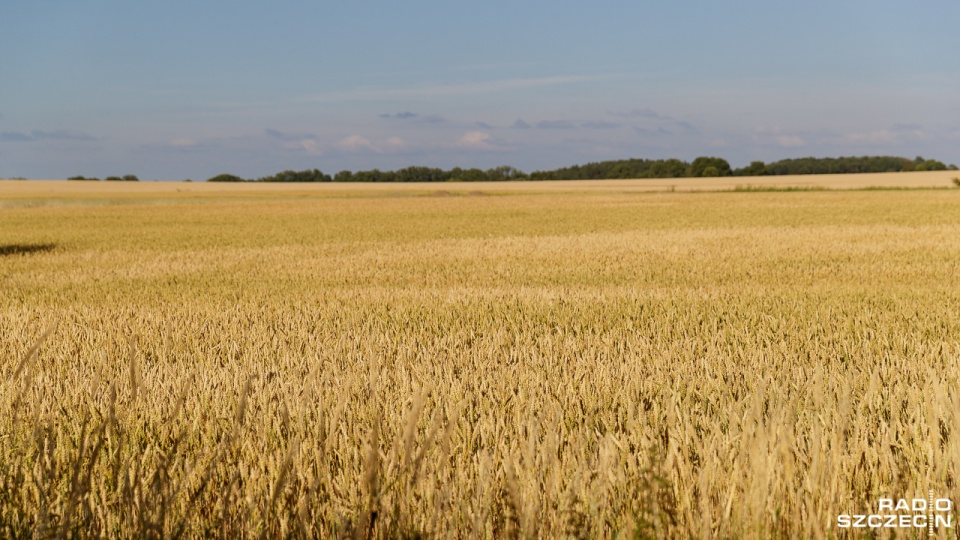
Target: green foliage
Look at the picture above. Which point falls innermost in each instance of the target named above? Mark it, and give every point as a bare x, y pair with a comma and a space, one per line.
114, 179
375, 175
84, 178
421, 174
314, 175
756, 168
670, 168
930, 165
226, 178
843, 165
710, 166
505, 172
343, 176
130, 178
468, 175
622, 169
704, 166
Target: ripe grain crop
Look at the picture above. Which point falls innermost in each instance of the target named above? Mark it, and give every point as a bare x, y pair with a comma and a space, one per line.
487, 362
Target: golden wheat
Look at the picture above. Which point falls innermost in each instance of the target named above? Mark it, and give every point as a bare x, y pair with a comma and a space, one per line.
385, 362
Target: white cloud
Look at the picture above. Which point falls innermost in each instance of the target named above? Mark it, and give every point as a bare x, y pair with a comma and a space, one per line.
478, 140
880, 136
790, 141
356, 143
911, 131
778, 137
310, 146
396, 144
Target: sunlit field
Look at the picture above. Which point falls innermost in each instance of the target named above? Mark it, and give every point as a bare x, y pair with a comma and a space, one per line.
691, 358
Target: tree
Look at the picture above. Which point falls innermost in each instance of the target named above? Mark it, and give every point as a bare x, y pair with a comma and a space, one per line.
620, 170
710, 166
670, 168
505, 172
843, 165
422, 174
930, 165
471, 175
314, 175
226, 178
130, 178
343, 176
756, 168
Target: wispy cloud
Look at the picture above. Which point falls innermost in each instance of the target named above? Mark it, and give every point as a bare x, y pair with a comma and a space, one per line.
396, 144
39, 135
356, 143
879, 136
14, 136
414, 117
63, 135
652, 131
639, 113
908, 127
452, 89
481, 140
297, 142
188, 145
400, 116
556, 124
600, 124
475, 139
648, 121
520, 124
790, 141
779, 138
281, 136
687, 128
570, 124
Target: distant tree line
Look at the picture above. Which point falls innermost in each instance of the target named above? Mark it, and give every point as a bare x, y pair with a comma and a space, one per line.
124, 178
616, 169
408, 174
639, 168
850, 165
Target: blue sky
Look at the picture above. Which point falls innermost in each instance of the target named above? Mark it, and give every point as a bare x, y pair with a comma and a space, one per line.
189, 89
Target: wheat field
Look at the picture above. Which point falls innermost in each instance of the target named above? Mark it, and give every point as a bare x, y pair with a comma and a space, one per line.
492, 361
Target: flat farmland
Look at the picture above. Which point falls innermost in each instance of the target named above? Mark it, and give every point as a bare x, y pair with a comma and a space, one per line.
529, 359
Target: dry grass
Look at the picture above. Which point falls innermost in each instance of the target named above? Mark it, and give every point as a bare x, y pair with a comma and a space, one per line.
326, 362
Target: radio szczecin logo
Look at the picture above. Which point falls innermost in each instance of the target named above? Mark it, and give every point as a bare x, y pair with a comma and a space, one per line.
930, 513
